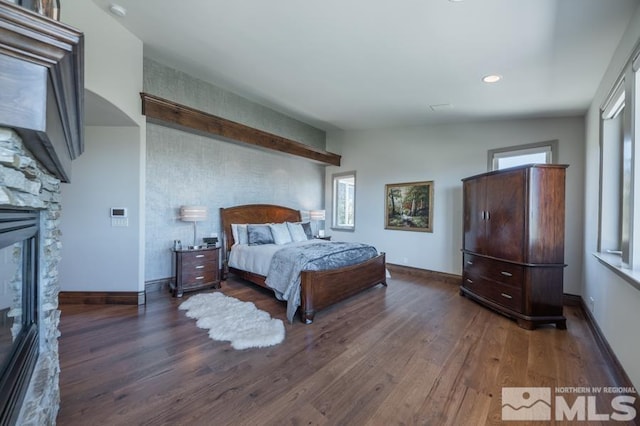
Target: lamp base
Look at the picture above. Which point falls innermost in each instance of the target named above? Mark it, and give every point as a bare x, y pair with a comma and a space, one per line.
194, 234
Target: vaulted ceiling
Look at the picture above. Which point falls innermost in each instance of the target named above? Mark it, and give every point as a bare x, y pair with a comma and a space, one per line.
354, 64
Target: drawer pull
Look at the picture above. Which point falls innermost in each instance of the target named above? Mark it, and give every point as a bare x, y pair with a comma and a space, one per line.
200, 278
469, 281
199, 266
199, 255
506, 274
506, 295
469, 262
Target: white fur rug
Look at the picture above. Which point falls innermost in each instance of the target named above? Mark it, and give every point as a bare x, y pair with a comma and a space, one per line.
229, 319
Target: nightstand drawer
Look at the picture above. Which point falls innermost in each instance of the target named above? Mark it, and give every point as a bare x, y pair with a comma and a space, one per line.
196, 269
199, 258
196, 277
199, 265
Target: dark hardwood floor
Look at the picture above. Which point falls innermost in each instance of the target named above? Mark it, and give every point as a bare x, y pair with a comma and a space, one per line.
413, 353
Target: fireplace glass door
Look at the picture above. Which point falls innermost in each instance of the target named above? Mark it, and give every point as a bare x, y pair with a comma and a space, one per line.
10, 298
18, 312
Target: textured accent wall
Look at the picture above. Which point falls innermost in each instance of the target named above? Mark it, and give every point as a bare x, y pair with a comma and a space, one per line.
184, 168
181, 88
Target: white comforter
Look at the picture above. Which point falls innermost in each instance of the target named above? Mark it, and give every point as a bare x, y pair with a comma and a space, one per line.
257, 259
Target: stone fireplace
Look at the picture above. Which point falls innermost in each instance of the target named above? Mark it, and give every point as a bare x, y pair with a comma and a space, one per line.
28, 189
41, 132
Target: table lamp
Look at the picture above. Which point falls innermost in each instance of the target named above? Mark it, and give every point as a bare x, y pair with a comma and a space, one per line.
193, 214
317, 216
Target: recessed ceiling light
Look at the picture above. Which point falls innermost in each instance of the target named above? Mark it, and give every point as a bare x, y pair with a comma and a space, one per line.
118, 10
440, 107
492, 78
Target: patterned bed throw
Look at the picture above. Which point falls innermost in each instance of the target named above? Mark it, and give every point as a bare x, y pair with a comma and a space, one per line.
288, 262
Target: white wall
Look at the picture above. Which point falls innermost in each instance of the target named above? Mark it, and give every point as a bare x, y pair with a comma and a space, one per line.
110, 173
446, 154
617, 303
113, 56
95, 255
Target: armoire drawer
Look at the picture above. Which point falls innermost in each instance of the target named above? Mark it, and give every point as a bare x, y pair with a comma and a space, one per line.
474, 265
494, 270
505, 273
505, 295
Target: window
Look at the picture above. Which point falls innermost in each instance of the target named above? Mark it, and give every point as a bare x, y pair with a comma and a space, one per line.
540, 153
619, 213
344, 201
611, 178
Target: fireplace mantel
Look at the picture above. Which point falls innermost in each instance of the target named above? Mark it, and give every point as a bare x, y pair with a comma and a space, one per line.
41, 116
42, 86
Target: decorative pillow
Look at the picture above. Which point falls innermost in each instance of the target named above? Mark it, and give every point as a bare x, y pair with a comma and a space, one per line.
234, 232
280, 233
297, 232
259, 234
307, 230
240, 234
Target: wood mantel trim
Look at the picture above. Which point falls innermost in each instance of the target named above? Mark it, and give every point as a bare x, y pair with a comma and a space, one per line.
186, 118
47, 113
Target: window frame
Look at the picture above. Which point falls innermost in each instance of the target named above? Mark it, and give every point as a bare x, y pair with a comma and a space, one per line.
550, 148
335, 178
612, 122
626, 261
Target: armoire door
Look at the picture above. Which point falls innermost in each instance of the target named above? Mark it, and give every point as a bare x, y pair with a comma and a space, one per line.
474, 210
505, 215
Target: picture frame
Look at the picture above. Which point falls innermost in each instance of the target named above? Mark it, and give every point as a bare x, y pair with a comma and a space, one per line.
409, 206
48, 8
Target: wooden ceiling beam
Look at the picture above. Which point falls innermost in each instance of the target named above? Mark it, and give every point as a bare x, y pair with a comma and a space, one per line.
166, 112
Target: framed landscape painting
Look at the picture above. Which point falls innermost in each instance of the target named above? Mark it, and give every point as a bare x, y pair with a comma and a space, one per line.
409, 206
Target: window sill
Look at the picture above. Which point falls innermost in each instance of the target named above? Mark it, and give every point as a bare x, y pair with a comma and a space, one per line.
349, 229
614, 263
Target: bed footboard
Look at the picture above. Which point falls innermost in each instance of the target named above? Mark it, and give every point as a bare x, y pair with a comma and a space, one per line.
320, 289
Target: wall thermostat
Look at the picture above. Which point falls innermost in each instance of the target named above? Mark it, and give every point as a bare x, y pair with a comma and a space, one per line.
118, 212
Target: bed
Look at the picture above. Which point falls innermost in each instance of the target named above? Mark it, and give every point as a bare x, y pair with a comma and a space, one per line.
318, 289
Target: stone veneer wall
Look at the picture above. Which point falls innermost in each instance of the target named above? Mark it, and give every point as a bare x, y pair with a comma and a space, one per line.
24, 183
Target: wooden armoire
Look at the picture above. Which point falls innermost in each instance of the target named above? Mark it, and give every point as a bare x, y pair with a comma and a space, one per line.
513, 244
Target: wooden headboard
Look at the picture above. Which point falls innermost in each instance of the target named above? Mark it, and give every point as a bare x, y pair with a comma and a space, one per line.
254, 213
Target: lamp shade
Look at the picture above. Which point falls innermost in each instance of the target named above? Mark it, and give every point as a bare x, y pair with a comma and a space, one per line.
316, 215
193, 213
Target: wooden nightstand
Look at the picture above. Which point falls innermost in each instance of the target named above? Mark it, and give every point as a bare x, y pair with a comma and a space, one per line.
196, 269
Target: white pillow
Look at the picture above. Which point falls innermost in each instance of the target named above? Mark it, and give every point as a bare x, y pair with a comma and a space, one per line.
297, 232
280, 233
240, 233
